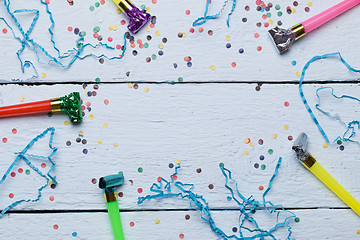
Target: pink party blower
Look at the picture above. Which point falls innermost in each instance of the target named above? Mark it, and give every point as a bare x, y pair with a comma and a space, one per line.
284, 38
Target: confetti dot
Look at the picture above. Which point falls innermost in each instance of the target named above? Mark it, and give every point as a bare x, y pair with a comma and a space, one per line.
325, 145
246, 152
140, 170
157, 33
43, 165
13, 174
341, 148
293, 63
297, 219
74, 234
201, 29
146, 89
261, 188
157, 221
233, 64
263, 167
270, 151
27, 172
211, 186
56, 227
309, 4
91, 116
241, 50
22, 99
261, 157
286, 127
339, 142
259, 48
212, 67
256, 165
43, 75
256, 35
178, 161
100, 141
247, 140
20, 170
4, 31
358, 231
286, 104
261, 142
298, 74
66, 123
85, 151
115, 144
11, 195
140, 190
181, 236
93, 181
221, 165
187, 217
187, 12
274, 135
228, 38
52, 198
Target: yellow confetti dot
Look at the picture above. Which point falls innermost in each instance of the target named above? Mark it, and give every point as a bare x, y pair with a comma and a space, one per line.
246, 140
146, 89
286, 127
161, 46
115, 144
275, 135
130, 85
43, 75
293, 10
147, 9
22, 99
309, 4
118, 10
276, 25
270, 21
228, 37
325, 145
51, 183
157, 221
298, 74
358, 231
178, 161
100, 141
91, 116
147, 29
212, 67
251, 144
110, 28
66, 123
115, 27
105, 125
184, 35
81, 133
157, 33
246, 152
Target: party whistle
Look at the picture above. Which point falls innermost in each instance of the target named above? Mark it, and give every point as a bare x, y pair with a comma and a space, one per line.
315, 168
284, 38
137, 18
71, 104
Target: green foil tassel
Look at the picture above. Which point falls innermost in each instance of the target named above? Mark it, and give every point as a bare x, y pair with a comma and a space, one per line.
71, 104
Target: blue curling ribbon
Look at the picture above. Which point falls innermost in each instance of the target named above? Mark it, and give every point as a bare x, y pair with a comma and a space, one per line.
350, 125
202, 20
25, 40
246, 205
25, 156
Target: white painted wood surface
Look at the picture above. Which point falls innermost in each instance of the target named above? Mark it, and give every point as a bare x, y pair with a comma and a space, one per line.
200, 124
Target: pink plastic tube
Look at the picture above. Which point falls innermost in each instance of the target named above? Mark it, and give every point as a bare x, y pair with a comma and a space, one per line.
328, 14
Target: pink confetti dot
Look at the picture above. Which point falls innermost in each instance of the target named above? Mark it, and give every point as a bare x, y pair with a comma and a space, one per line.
132, 224
88, 104
118, 47
51, 198
47, 1
96, 35
110, 39
4, 140
82, 107
20, 170
139, 190
102, 2
286, 104
11, 195
266, 24
123, 22
106, 102
139, 41
192, 30
187, 12
56, 227
13, 174
154, 1
4, 30
43, 165
233, 64
258, 2
141, 45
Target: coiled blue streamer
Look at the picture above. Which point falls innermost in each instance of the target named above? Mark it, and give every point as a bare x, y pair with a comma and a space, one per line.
25, 156
351, 125
246, 205
202, 20
25, 40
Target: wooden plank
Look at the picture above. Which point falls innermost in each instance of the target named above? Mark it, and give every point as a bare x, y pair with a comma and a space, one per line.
205, 50
202, 125
325, 224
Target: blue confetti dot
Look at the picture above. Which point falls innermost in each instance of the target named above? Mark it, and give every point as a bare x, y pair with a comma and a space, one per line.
89, 93
262, 9
267, 9
161, 53
76, 31
253, 211
241, 50
234, 229
342, 148
256, 165
228, 45
293, 63
85, 151
189, 64
171, 165
229, 198
27, 65
74, 234
89, 109
175, 65
261, 157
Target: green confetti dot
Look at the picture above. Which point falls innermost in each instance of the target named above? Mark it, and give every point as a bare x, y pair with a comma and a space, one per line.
172, 82
140, 169
153, 56
268, 15
97, 80
83, 33
27, 172
221, 164
277, 7
49, 114
78, 45
180, 79
297, 219
279, 13
97, 4
96, 29
143, 6
91, 8
270, 151
263, 166
121, 172
146, 45
339, 142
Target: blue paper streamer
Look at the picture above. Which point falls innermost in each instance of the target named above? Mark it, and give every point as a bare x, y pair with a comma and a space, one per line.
202, 20
25, 156
350, 125
25, 40
246, 205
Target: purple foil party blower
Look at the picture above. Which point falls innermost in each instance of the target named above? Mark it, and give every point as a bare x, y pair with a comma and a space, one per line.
137, 18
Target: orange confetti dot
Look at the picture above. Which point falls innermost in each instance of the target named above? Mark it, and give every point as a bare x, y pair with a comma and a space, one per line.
264, 16
256, 35
106, 102
132, 45
152, 25
201, 29
43, 165
261, 187
70, 29
51, 198
139, 41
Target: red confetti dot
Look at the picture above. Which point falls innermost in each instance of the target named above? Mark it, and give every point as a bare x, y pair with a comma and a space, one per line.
4, 30
132, 224
70, 29
83, 107
94, 180
56, 227
139, 190
211, 186
233, 64
258, 2
121, 194
20, 170
174, 177
106, 102
110, 39
14, 131
47, 1
152, 25
123, 22
181, 236
261, 188
266, 24
259, 48
11, 195
286, 104
43, 165
159, 179
13, 174
187, 216
198, 170
264, 16
186, 59
192, 30
139, 41
102, 2
187, 12
51, 198
136, 86
154, 1
4, 140
88, 104
141, 45
290, 138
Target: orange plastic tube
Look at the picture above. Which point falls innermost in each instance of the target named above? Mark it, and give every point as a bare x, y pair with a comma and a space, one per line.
26, 108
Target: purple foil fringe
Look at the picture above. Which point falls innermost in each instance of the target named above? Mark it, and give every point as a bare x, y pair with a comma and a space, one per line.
137, 18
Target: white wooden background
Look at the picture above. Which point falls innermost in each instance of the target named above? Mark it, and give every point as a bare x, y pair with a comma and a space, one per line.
202, 121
